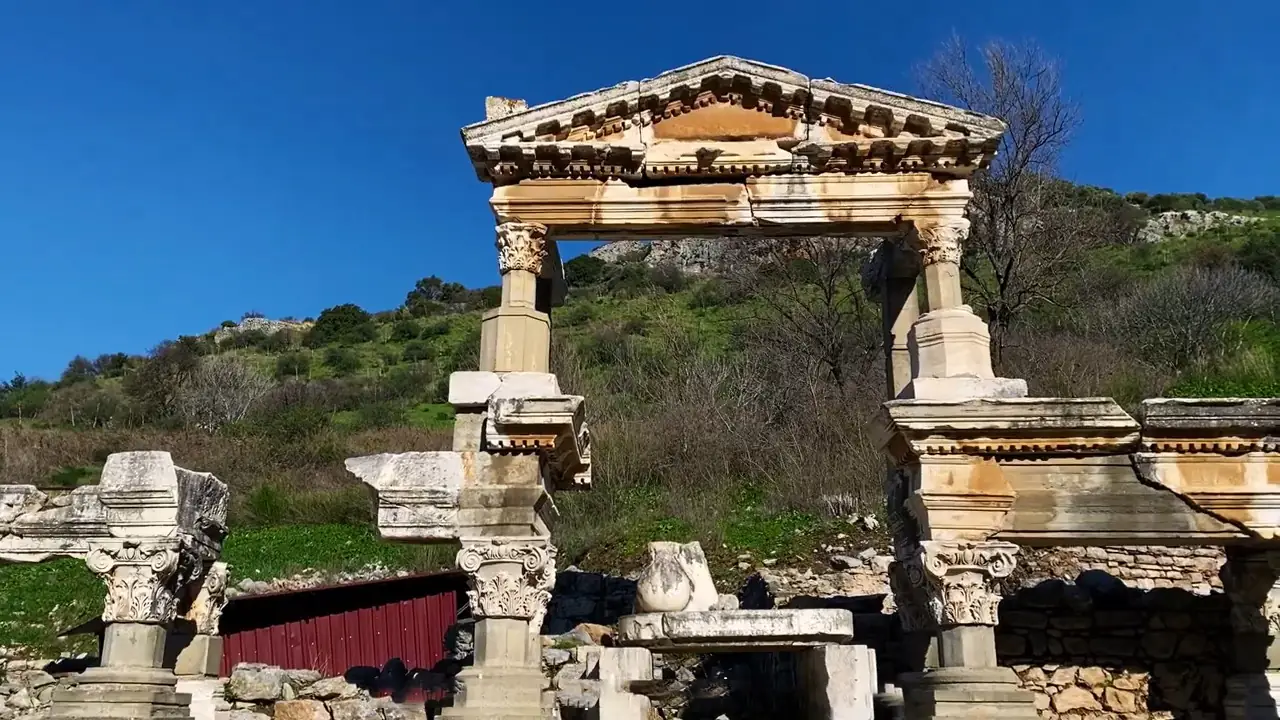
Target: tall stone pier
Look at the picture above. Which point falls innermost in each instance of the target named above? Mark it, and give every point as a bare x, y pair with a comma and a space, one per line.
517, 437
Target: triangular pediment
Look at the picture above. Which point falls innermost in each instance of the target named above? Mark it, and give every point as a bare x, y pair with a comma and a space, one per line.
728, 116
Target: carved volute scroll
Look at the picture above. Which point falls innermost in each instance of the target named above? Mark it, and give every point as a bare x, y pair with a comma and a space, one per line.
144, 578
959, 579
521, 246
210, 599
942, 242
509, 577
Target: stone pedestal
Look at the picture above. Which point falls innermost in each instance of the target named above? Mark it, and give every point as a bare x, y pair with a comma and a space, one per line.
971, 693
839, 682
616, 668
130, 683
516, 336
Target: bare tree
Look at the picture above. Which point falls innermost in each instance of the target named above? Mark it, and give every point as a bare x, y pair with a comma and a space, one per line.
1030, 231
220, 390
811, 306
1186, 318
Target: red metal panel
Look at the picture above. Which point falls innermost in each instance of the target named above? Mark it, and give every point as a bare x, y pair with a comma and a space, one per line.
412, 630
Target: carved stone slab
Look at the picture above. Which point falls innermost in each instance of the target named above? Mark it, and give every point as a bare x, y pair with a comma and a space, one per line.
736, 630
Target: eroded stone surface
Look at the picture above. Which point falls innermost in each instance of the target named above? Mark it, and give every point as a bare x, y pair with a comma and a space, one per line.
735, 630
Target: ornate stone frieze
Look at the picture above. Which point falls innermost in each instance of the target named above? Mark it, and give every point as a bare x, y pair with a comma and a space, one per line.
1250, 581
210, 600
509, 577
144, 578
1226, 426
941, 242
521, 246
958, 579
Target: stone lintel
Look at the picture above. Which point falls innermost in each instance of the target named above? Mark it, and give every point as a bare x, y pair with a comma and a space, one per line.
873, 205
1241, 490
736, 630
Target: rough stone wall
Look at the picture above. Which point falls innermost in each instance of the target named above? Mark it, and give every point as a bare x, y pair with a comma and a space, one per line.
28, 686
1194, 569
1100, 649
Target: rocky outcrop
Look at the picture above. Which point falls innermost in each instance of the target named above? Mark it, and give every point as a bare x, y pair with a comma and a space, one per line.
260, 324
1180, 223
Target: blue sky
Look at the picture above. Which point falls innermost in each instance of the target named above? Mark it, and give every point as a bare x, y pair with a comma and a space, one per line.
168, 165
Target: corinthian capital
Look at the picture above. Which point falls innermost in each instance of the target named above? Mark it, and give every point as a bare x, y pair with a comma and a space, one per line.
958, 579
210, 598
144, 578
941, 241
521, 246
509, 577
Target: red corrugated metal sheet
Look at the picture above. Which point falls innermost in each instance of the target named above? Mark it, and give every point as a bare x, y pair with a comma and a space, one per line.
412, 630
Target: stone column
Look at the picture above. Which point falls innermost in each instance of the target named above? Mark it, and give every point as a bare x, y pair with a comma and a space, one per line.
145, 579
510, 582
950, 346
516, 336
1251, 579
957, 583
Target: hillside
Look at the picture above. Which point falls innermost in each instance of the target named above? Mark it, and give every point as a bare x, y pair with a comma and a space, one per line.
728, 408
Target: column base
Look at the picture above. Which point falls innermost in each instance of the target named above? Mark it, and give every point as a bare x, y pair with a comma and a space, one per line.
969, 693
963, 388
122, 693
1252, 697
500, 693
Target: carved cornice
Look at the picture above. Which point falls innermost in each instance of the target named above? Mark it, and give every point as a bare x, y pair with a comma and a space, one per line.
1227, 426
805, 125
552, 425
521, 246
909, 429
144, 578
942, 242
509, 577
959, 579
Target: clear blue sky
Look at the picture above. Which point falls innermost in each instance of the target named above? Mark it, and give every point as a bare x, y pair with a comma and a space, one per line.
168, 165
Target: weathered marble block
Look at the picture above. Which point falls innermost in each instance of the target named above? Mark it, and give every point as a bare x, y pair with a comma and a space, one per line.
736, 630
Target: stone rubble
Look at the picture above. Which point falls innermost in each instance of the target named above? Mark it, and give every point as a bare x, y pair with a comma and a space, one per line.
256, 691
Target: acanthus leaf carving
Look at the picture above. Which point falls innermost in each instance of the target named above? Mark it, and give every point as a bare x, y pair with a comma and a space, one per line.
509, 577
959, 579
144, 578
521, 246
942, 242
210, 599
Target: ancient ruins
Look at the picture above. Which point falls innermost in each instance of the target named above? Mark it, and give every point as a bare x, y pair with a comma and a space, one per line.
152, 531
976, 472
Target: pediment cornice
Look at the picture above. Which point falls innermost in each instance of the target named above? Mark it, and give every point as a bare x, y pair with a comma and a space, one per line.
730, 116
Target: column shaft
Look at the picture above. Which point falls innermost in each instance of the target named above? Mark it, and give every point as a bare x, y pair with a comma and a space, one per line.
516, 336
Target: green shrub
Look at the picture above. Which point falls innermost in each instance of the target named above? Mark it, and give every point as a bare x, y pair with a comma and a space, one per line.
266, 504
405, 329
279, 341
342, 360
293, 365
710, 293
418, 351
228, 324
584, 270
438, 328
385, 414
348, 324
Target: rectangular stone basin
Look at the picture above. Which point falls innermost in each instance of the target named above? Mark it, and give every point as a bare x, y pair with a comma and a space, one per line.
716, 631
